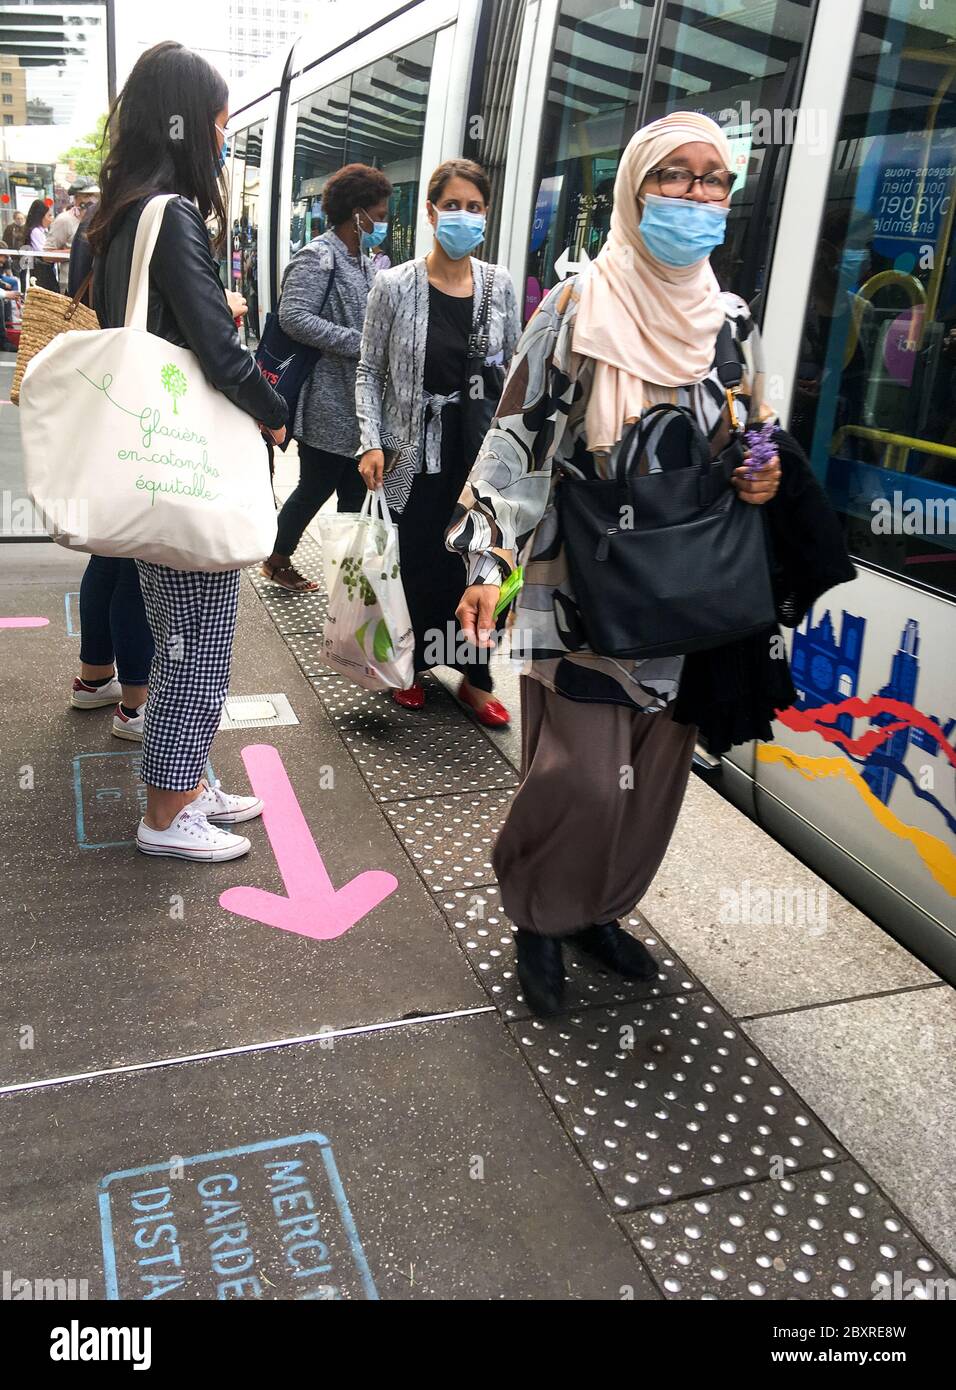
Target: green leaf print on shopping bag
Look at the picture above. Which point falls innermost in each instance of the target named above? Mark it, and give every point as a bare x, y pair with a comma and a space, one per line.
381, 642
174, 381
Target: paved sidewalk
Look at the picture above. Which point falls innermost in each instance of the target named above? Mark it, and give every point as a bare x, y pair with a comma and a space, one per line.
195, 1100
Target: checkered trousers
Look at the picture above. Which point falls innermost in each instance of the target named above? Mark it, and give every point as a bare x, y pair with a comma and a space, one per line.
193, 619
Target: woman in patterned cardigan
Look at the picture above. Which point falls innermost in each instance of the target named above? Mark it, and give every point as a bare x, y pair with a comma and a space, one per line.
408, 389
605, 762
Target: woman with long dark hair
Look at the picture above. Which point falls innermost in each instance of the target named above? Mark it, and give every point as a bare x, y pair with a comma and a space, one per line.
39, 218
167, 131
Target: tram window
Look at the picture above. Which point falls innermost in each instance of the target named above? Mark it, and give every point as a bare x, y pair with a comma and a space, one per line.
376, 117
590, 114
738, 64
319, 151
874, 401
244, 229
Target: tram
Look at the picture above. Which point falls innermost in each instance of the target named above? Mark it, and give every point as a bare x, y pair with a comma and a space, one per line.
842, 120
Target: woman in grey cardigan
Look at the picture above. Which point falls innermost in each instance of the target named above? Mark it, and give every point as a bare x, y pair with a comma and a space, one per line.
408, 387
324, 291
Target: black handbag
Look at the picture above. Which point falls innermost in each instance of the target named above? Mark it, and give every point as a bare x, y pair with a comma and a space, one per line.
484, 381
285, 362
669, 562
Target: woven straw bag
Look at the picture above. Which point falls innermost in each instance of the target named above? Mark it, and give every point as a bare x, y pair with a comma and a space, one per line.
45, 316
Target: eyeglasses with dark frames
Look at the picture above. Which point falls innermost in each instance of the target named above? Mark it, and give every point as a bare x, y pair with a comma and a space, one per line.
677, 183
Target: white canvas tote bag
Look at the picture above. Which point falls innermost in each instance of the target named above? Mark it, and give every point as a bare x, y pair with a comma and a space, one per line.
130, 452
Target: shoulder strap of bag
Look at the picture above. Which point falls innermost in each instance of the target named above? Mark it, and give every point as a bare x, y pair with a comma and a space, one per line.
635, 438
328, 287
82, 296
147, 232
730, 370
478, 338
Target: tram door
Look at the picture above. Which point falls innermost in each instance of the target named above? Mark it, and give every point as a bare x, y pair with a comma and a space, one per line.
874, 405
244, 229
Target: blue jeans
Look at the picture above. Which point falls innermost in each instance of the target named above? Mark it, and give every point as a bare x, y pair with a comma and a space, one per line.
113, 620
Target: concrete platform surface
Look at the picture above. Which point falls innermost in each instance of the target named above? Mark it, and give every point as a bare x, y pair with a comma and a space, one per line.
311, 1074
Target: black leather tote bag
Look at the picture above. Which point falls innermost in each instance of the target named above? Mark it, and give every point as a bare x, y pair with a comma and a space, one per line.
670, 562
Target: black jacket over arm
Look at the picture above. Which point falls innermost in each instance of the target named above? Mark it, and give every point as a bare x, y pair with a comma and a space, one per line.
187, 305
733, 692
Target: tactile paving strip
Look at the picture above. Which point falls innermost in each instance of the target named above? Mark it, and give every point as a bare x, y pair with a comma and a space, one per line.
291, 612
403, 753
306, 647
667, 1098
450, 838
827, 1234
485, 933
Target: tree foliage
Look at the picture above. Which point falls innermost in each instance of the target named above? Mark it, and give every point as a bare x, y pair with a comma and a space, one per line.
88, 154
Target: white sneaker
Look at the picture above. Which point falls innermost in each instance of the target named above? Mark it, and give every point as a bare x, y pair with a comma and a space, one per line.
125, 727
191, 837
85, 696
222, 809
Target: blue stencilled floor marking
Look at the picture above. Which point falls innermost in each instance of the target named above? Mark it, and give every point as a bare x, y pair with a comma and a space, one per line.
82, 818
168, 1213
72, 629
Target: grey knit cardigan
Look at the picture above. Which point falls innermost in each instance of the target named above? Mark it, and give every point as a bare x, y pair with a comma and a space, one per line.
325, 416
389, 382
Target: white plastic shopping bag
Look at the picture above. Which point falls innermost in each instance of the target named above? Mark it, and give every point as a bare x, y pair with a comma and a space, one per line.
129, 451
368, 634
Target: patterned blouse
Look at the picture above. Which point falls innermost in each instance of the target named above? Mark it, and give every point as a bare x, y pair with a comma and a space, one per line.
508, 503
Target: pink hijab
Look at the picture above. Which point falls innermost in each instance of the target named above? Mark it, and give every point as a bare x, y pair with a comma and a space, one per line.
643, 321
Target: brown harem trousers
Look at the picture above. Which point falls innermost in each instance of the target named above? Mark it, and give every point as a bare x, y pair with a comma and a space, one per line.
602, 787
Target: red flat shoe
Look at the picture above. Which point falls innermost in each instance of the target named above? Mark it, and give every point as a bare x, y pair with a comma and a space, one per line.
492, 714
412, 698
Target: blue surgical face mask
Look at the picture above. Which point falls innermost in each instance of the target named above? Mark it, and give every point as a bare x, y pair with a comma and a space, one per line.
373, 238
224, 152
680, 232
458, 233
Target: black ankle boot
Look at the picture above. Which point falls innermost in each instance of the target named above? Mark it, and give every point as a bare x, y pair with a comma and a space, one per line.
540, 972
617, 950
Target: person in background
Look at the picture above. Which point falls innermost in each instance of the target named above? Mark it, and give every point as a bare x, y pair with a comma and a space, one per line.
16, 232
84, 194
38, 221
9, 289
324, 294
408, 394
8, 279
167, 131
116, 644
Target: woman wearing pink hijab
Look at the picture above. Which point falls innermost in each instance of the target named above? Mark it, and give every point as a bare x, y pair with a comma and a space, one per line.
605, 762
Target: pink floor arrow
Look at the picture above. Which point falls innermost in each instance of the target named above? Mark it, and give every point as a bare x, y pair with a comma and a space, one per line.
313, 907
24, 622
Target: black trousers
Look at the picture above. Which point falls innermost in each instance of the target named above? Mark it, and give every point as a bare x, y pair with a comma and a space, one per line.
434, 578
320, 474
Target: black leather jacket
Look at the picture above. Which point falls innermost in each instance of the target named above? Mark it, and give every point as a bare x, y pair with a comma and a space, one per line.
187, 305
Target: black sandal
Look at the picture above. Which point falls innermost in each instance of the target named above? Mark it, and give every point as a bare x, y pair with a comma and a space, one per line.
288, 577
